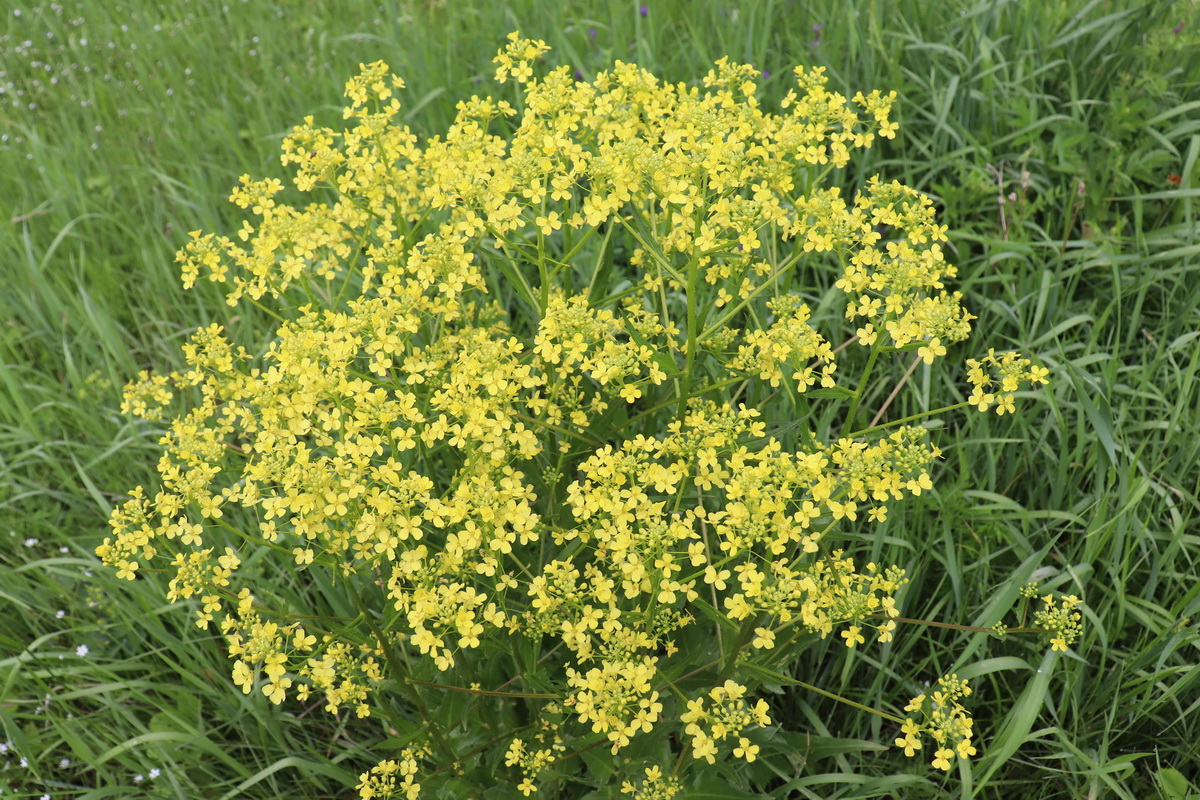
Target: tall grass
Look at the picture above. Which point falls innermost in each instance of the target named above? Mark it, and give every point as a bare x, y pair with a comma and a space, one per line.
123, 126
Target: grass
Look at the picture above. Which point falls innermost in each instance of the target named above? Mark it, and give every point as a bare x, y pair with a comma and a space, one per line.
123, 125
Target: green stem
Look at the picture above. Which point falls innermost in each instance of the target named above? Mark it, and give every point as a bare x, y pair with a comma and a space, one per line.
259, 305
739, 645
955, 627
848, 701
861, 389
784, 679
675, 770
544, 289
402, 674
694, 318
904, 420
591, 290
663, 405
498, 737
692, 342
768, 283
557, 429
448, 688
651, 251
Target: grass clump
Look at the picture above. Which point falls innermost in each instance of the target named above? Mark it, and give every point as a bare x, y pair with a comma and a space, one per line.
1089, 492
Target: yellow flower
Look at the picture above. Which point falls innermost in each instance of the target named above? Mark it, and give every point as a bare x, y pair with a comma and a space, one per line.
910, 743
703, 747
932, 350
764, 638
715, 577
276, 690
746, 750
853, 636
243, 676
549, 223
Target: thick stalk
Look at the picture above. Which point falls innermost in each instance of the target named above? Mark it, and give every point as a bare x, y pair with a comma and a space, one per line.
693, 323
403, 676
861, 390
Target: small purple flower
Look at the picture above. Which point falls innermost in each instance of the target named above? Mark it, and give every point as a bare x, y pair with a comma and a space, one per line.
578, 75
1178, 28
644, 11
592, 32
766, 75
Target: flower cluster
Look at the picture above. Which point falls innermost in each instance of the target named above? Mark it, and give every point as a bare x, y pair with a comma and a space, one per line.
539, 755
393, 779
616, 698
490, 428
654, 786
944, 719
1061, 619
995, 378
724, 714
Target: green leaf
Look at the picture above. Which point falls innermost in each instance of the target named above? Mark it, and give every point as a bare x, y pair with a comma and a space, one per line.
1174, 786
707, 787
304, 766
109, 791
813, 748
836, 392
458, 788
598, 283
652, 748
599, 762
502, 792
1096, 409
1019, 720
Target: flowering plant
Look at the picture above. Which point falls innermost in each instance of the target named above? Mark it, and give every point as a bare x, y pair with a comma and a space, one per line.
516, 408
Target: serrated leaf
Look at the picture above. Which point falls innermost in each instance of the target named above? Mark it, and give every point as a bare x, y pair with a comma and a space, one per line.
1174, 786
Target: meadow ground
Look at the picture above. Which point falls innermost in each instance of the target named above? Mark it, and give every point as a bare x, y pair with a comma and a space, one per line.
1060, 142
